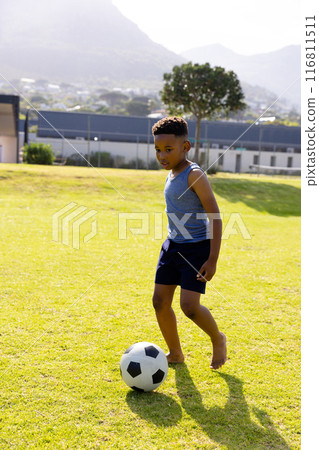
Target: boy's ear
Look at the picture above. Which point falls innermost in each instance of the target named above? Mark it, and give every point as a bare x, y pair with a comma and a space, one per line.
187, 145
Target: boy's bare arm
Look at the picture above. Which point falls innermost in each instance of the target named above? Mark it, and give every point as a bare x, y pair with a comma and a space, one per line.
200, 184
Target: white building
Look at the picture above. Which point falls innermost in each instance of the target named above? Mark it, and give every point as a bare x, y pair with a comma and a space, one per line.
9, 128
229, 160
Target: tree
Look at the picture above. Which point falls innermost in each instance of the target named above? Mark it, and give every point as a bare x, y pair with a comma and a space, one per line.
137, 108
114, 98
203, 91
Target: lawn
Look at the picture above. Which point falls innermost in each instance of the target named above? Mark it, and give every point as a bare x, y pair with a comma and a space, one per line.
68, 314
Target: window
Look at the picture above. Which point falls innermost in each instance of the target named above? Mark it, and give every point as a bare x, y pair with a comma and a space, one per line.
238, 164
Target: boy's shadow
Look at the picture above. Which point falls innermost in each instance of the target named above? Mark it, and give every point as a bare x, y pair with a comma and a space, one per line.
231, 425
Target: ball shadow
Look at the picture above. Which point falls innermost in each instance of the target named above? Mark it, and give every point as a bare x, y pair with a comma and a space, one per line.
155, 407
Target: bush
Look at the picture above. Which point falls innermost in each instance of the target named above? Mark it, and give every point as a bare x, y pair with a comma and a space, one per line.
212, 170
76, 160
104, 159
36, 153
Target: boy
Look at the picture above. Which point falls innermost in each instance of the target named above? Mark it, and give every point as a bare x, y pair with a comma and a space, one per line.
189, 256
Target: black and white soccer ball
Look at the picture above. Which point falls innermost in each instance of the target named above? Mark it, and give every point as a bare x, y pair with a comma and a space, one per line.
144, 366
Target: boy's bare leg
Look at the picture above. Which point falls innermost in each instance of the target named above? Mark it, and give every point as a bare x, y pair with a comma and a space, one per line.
162, 302
190, 304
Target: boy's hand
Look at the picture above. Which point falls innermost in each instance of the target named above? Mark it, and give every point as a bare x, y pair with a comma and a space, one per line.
206, 272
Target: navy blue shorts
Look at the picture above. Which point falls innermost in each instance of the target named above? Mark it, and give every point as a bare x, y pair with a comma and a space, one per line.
172, 268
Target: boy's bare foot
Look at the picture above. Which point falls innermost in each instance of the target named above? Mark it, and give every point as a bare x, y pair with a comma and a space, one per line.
175, 358
219, 353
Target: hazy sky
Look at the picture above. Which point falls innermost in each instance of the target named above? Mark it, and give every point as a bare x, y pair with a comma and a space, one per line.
244, 26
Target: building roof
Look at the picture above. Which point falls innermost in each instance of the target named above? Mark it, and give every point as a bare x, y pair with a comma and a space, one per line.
138, 129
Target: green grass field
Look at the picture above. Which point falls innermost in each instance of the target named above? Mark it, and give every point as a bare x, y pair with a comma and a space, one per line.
68, 314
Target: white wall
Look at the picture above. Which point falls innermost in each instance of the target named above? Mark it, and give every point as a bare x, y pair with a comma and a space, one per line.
247, 158
8, 152
129, 151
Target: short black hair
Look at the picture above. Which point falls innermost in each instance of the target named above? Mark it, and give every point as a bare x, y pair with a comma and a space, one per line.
171, 125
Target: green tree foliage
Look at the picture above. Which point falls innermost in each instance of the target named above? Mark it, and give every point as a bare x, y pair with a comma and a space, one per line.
137, 108
114, 98
38, 99
203, 91
37, 153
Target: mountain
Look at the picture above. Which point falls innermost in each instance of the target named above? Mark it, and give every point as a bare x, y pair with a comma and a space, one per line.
77, 40
274, 71
91, 41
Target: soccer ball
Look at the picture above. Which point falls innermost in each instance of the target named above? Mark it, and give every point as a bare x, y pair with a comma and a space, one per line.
144, 366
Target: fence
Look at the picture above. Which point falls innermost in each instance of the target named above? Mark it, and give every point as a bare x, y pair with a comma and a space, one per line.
141, 155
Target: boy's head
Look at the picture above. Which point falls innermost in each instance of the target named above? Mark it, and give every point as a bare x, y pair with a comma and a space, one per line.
171, 125
171, 142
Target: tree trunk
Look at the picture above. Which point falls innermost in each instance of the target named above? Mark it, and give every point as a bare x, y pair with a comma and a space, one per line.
197, 140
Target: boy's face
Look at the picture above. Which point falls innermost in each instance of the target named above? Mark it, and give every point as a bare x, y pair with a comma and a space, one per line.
171, 150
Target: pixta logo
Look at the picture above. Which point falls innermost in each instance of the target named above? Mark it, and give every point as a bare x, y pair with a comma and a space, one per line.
152, 223
67, 223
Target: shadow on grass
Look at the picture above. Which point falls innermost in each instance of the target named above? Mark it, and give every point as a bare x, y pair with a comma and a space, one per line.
231, 425
156, 407
278, 199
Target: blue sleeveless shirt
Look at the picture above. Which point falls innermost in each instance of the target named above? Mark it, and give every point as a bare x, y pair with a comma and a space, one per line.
187, 219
